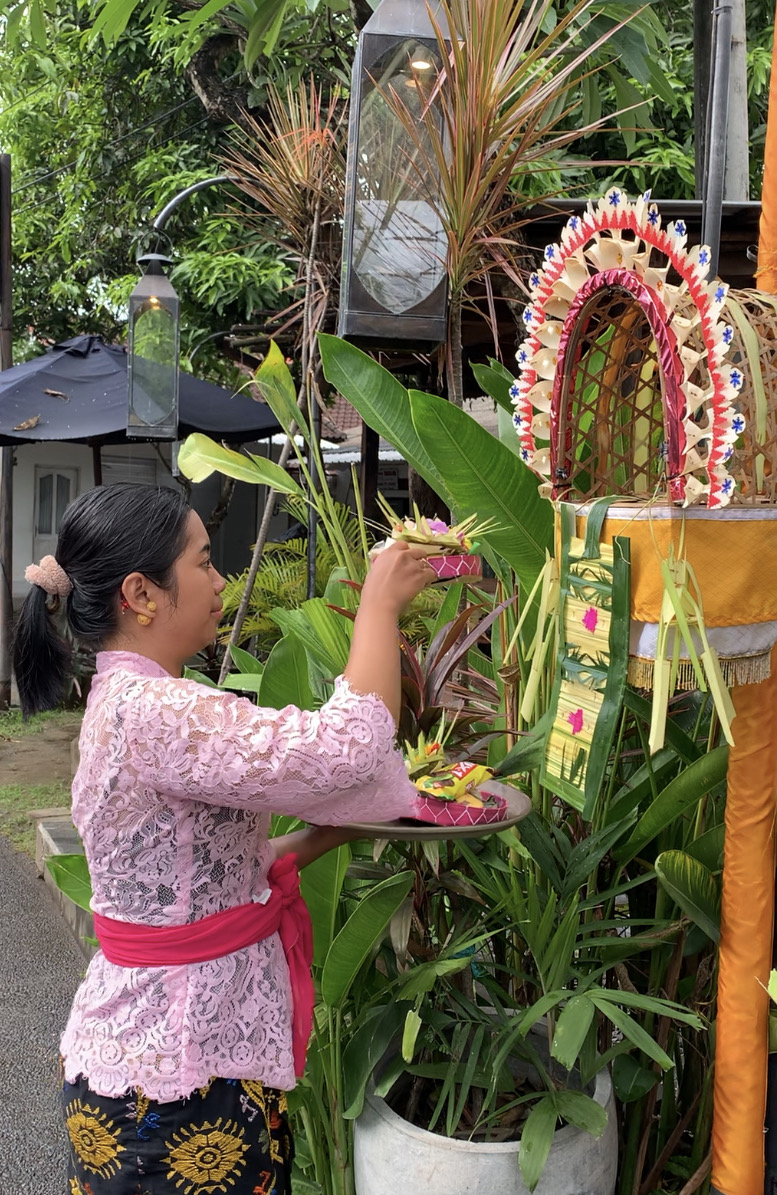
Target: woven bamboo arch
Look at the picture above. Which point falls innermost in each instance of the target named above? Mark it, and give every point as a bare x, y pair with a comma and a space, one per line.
617, 402
624, 243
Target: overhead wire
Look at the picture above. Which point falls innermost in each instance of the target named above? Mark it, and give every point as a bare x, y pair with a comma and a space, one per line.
131, 133
128, 162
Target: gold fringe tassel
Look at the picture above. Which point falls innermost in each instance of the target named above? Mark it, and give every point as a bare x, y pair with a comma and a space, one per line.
738, 670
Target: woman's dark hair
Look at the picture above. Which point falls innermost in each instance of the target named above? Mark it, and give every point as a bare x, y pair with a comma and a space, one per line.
108, 532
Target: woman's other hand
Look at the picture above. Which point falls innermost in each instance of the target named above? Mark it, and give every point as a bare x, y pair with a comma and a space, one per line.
398, 574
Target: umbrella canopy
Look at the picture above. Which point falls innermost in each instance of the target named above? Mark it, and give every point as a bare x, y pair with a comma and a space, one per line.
78, 391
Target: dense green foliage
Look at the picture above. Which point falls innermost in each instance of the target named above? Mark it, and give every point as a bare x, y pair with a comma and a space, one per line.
100, 141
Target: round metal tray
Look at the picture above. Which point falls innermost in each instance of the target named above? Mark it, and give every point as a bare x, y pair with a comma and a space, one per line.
518, 805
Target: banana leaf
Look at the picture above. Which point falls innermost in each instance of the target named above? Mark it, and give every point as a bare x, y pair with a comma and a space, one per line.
321, 884
200, 456
245, 662
685, 791
275, 382
360, 935
694, 888
495, 381
382, 402
365, 1049
485, 477
286, 678
71, 875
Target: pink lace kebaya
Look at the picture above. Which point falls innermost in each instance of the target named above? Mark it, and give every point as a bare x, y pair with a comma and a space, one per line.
172, 799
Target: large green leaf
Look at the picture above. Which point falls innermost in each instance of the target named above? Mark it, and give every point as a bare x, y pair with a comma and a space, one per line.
495, 381
631, 1080
321, 884
686, 790
537, 1138
273, 377
693, 887
485, 478
286, 680
581, 1111
200, 456
571, 1030
71, 875
243, 682
381, 401
325, 633
365, 1049
708, 847
245, 662
361, 933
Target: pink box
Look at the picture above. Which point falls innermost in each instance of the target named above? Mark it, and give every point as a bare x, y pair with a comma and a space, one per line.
454, 813
454, 568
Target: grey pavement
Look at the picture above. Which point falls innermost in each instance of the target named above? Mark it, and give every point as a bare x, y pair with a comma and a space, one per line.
40, 969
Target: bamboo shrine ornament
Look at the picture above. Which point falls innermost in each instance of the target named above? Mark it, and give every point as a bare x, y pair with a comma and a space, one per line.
609, 254
647, 404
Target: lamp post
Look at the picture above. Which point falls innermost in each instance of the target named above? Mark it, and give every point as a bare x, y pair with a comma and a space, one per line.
6, 454
154, 332
394, 282
154, 335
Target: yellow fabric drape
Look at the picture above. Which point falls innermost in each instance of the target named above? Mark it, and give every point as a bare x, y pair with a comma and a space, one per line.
742, 1029
735, 563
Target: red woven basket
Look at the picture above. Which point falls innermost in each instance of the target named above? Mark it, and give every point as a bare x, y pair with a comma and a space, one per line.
453, 568
454, 813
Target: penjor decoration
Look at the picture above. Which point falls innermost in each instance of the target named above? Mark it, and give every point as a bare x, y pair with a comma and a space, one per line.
647, 404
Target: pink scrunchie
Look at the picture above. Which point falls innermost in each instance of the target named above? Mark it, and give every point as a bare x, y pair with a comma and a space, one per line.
50, 576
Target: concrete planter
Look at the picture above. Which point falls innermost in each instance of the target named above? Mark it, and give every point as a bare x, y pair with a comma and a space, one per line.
392, 1156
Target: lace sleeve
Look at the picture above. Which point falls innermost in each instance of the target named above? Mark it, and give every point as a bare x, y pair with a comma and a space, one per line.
336, 765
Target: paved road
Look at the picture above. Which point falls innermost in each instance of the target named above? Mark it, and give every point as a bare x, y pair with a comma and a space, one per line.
40, 969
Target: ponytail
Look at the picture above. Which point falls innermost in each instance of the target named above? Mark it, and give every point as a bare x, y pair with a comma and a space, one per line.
107, 533
40, 654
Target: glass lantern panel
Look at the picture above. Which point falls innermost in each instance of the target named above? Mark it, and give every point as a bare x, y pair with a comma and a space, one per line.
399, 243
154, 365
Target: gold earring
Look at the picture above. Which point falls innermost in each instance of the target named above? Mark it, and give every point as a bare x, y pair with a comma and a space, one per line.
152, 607
144, 620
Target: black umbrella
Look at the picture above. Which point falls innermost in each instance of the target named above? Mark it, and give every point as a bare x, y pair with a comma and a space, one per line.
78, 391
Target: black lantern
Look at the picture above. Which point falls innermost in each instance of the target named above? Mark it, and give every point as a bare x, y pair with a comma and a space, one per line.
154, 326
394, 281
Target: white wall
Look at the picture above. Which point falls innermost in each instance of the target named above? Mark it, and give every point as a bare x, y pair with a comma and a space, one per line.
120, 463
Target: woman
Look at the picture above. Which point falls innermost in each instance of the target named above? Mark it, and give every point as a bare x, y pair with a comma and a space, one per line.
186, 1032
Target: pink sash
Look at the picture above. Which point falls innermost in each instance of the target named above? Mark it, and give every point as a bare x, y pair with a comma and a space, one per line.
285, 913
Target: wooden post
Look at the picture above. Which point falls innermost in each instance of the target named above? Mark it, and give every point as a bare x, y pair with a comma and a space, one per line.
702, 60
97, 462
6, 454
368, 481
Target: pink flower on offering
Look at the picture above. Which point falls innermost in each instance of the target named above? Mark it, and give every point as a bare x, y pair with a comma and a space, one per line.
437, 526
590, 619
575, 720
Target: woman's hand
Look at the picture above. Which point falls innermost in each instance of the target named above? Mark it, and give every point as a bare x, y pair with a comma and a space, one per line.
310, 844
397, 575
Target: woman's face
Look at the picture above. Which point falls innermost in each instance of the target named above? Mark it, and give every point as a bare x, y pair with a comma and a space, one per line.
192, 610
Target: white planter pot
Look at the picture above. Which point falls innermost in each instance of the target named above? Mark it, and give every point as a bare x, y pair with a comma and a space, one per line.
393, 1157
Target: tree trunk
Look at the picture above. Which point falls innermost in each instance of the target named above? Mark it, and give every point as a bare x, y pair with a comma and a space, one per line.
425, 498
454, 370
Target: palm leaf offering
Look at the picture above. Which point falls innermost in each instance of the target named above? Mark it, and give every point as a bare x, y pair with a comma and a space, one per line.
447, 540
592, 660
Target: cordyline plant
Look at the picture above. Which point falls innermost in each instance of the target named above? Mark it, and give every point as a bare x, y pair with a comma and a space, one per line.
294, 170
500, 107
